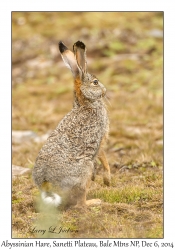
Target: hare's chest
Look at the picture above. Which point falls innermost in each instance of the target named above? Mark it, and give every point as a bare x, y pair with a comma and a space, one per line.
88, 124
94, 123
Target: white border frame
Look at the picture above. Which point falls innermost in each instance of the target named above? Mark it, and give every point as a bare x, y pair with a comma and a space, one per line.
5, 96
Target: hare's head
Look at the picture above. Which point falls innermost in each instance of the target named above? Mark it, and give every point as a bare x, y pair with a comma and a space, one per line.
86, 85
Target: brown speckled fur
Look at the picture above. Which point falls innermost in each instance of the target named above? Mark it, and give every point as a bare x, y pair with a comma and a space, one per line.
67, 158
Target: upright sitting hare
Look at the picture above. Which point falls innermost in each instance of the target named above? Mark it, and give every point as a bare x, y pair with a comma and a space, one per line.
65, 164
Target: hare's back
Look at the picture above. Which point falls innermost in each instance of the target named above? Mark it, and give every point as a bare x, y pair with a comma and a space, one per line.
77, 132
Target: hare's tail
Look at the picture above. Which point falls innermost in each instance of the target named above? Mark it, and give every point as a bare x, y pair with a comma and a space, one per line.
51, 198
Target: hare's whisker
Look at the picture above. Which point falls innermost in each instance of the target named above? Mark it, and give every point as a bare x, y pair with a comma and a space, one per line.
107, 100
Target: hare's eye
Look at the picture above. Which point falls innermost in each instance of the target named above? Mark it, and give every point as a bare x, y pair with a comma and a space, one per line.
95, 82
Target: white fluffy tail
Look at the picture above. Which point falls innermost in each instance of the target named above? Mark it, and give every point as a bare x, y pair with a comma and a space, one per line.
51, 198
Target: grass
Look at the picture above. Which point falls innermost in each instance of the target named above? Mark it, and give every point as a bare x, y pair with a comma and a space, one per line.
129, 62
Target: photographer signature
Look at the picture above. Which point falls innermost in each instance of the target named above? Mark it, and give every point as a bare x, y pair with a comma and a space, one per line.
52, 229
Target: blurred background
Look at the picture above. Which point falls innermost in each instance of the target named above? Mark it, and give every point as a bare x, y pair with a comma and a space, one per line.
125, 52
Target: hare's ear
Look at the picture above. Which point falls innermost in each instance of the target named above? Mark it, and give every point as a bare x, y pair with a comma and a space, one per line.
79, 50
69, 59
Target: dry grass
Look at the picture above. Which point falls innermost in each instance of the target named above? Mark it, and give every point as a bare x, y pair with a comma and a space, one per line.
129, 61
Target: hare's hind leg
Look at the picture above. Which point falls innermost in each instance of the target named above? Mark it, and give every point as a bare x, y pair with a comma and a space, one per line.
107, 174
83, 202
93, 202
82, 191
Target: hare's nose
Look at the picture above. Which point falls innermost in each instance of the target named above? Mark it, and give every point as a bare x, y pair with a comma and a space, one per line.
104, 91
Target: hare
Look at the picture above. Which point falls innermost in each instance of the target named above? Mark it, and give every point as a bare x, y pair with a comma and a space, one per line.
67, 55
65, 164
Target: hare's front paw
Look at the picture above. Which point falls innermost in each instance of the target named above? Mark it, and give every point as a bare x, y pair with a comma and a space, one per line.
93, 202
107, 179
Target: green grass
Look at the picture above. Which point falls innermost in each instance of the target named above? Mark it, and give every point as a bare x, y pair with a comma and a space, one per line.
125, 194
